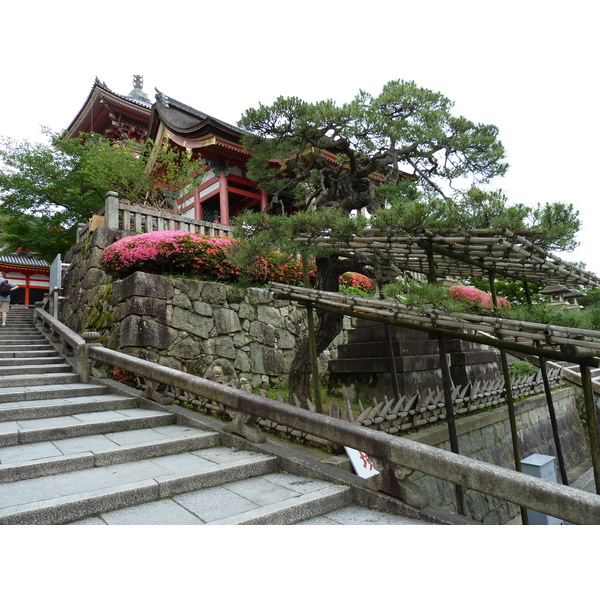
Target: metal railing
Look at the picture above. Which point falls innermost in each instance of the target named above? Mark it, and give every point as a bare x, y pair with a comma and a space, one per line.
394, 457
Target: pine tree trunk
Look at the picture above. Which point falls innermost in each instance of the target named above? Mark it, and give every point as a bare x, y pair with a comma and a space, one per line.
328, 327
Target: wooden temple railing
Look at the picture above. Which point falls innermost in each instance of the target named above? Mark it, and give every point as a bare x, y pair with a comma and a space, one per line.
133, 219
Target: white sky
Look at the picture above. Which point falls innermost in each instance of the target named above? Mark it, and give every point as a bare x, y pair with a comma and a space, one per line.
527, 66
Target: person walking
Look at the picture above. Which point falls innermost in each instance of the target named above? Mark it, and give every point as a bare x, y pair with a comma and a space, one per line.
5, 299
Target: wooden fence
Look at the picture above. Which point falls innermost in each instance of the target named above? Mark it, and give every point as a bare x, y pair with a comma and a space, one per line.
133, 219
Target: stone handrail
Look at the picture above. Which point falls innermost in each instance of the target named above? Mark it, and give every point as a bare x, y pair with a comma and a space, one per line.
392, 456
68, 339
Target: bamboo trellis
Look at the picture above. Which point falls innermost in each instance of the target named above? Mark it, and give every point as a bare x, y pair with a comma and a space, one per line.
460, 254
563, 343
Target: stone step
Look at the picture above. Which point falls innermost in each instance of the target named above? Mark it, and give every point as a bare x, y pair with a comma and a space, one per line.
60, 407
88, 423
16, 350
270, 499
28, 461
48, 391
67, 497
30, 361
7, 344
39, 369
29, 352
31, 380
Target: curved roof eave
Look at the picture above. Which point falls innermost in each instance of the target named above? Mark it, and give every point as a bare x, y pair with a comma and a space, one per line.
187, 121
100, 87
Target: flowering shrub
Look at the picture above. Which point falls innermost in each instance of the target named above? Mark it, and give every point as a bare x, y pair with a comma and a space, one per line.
274, 267
125, 377
184, 253
358, 281
175, 252
476, 297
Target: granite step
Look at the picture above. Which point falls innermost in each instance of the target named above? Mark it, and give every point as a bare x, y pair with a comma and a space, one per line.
43, 368
67, 497
88, 423
28, 461
58, 407
30, 361
33, 379
21, 393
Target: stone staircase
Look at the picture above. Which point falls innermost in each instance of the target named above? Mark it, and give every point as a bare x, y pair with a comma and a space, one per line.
82, 454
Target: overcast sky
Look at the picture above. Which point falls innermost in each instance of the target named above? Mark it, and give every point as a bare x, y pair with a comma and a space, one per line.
528, 67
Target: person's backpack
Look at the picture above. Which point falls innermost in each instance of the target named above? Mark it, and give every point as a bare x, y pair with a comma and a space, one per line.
5, 288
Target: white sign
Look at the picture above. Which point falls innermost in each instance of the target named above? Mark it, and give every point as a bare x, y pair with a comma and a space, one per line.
361, 462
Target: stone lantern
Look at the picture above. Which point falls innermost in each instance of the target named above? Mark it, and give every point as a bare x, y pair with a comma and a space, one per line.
562, 296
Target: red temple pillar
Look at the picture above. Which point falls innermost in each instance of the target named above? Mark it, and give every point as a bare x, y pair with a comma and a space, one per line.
223, 198
27, 288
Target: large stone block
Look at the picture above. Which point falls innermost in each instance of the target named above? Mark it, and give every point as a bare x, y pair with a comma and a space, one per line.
192, 323
141, 332
263, 333
265, 360
144, 306
269, 315
144, 284
226, 321
214, 293
185, 348
258, 296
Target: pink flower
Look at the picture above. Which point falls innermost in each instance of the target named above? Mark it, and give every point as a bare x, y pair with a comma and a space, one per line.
476, 297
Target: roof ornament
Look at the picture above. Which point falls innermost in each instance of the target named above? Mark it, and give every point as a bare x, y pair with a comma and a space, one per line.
138, 84
160, 97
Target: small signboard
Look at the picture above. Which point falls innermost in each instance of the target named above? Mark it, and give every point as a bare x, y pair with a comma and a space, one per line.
361, 462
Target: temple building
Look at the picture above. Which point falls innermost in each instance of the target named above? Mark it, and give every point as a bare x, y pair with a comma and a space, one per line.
217, 195
29, 273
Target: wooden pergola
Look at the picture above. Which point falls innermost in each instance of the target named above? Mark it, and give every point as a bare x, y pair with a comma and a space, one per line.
489, 253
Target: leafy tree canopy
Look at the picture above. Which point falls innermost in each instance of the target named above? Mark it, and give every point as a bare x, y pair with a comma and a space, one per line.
47, 188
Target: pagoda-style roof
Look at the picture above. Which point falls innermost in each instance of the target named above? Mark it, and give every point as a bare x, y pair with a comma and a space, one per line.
113, 115
191, 128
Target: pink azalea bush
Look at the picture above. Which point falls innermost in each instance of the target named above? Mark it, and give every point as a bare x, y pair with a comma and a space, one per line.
184, 253
358, 281
476, 297
173, 252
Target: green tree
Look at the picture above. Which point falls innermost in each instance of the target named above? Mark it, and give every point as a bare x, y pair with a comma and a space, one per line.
47, 188
402, 148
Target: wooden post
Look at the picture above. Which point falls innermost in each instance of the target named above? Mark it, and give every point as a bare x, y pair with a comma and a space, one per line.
550, 403
592, 421
509, 399
447, 388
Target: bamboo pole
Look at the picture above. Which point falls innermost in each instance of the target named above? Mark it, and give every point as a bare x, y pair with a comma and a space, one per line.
592, 422
314, 359
509, 400
446, 386
550, 403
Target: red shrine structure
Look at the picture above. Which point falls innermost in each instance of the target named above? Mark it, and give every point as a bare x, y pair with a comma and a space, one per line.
217, 195
29, 273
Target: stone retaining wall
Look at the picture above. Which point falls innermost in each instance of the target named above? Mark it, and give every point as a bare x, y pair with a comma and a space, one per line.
190, 325
487, 437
